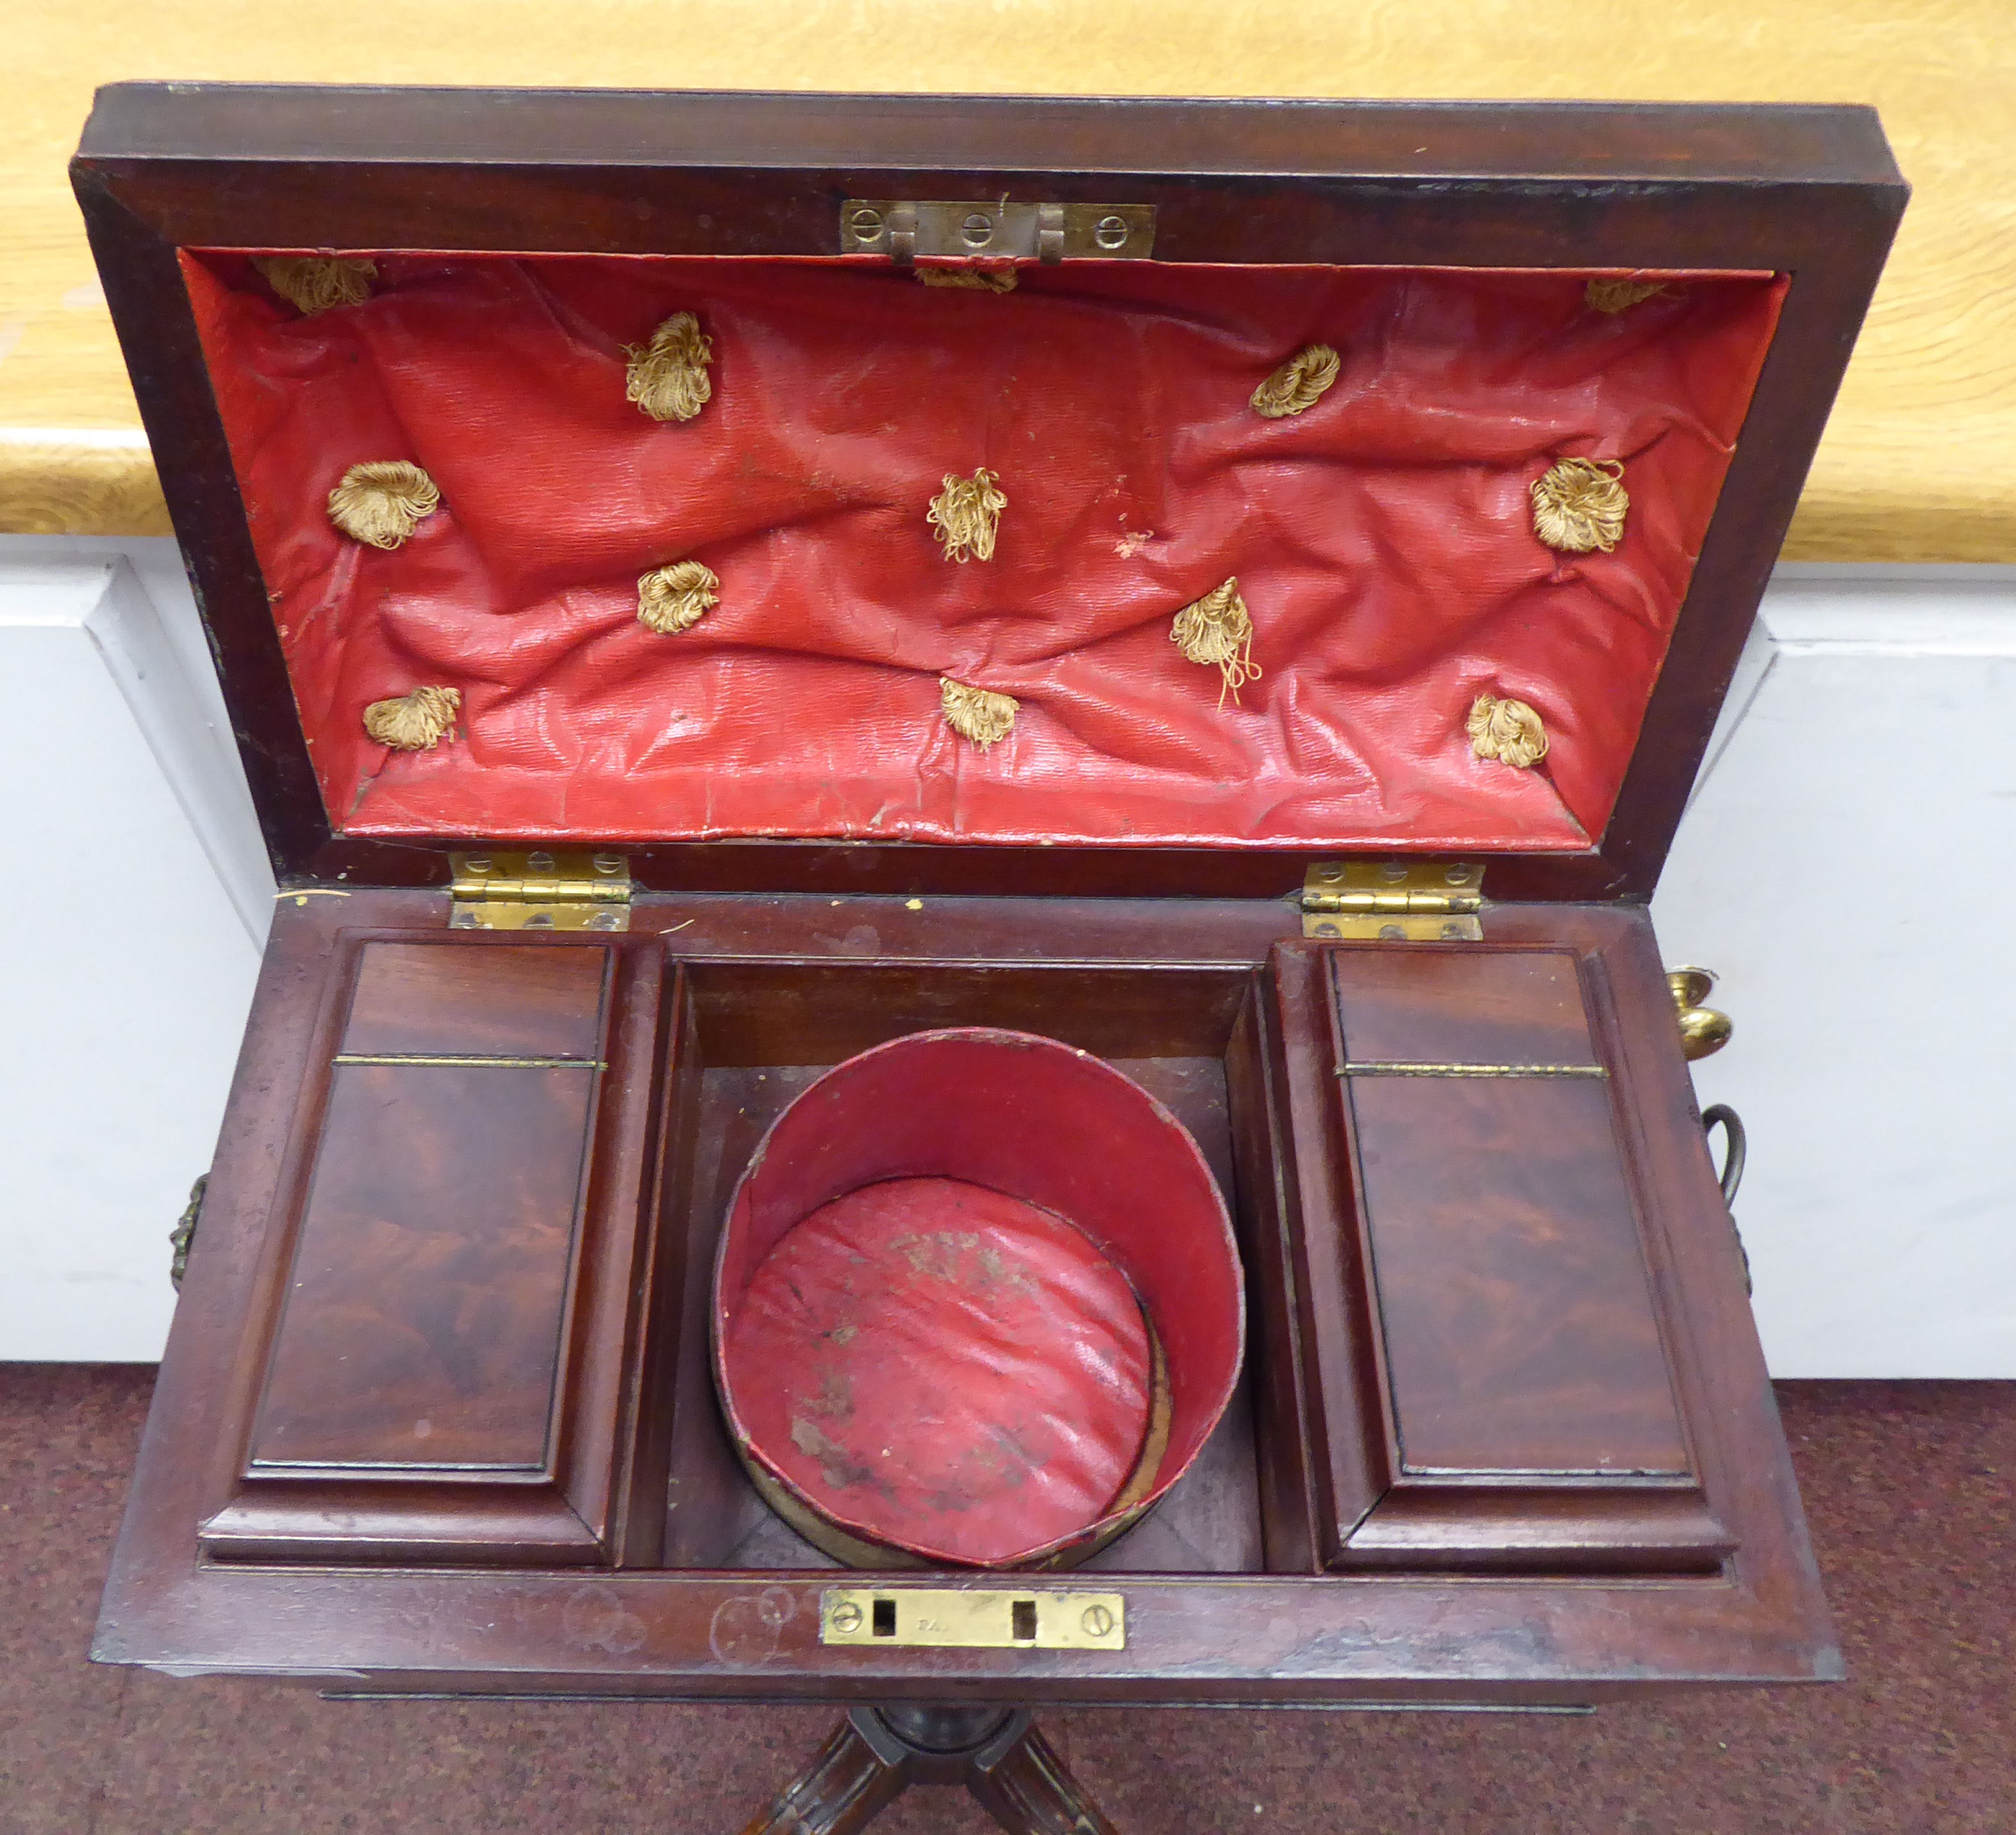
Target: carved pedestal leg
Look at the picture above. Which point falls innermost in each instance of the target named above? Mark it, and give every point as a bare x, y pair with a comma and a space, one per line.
847, 1787
1020, 1781
878, 1753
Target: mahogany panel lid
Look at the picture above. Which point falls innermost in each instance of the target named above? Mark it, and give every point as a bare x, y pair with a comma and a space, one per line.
978, 494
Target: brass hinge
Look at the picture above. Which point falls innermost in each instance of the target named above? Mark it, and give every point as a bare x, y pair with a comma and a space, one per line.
1393, 901
540, 891
905, 228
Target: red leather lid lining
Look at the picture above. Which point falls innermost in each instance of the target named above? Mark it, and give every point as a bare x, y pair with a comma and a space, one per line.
1383, 542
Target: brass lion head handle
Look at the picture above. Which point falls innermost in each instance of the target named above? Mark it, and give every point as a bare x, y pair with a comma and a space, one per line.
1703, 1030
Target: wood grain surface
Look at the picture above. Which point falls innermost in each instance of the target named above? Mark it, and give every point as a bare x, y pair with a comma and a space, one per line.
1497, 1369
447, 1319
1920, 463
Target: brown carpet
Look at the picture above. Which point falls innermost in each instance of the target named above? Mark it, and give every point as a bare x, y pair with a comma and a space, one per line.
1908, 1486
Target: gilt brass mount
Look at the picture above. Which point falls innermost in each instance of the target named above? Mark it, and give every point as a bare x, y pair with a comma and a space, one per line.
184, 1233
1703, 1030
972, 1618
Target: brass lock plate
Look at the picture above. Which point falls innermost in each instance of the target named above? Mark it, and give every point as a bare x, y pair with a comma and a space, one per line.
973, 1618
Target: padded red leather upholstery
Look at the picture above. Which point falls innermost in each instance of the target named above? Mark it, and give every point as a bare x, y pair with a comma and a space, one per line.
1383, 542
944, 1368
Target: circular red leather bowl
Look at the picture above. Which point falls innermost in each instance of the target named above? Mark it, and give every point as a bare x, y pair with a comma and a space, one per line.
977, 1303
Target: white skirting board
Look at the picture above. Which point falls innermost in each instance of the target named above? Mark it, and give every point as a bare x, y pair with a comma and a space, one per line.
137, 900
1863, 767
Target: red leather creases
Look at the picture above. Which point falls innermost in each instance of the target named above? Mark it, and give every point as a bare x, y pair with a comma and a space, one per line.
1383, 542
943, 1367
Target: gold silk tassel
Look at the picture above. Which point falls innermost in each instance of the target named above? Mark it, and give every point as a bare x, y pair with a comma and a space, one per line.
1298, 383
667, 377
1613, 296
1509, 731
966, 514
381, 502
674, 598
977, 714
973, 280
414, 722
1579, 505
1218, 631
316, 283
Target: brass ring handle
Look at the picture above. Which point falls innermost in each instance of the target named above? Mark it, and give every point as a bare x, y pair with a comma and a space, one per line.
1735, 1145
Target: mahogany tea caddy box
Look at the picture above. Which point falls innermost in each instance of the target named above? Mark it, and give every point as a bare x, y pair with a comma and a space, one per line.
1467, 433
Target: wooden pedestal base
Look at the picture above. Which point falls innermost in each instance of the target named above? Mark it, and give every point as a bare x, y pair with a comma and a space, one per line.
878, 1753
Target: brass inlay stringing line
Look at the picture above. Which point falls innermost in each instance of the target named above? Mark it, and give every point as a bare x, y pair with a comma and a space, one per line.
477, 1061
1397, 1069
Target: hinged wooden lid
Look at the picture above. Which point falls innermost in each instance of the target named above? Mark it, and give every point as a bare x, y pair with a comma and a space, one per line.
1226, 220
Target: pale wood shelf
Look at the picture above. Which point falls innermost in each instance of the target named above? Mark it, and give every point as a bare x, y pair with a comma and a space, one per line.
1919, 464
